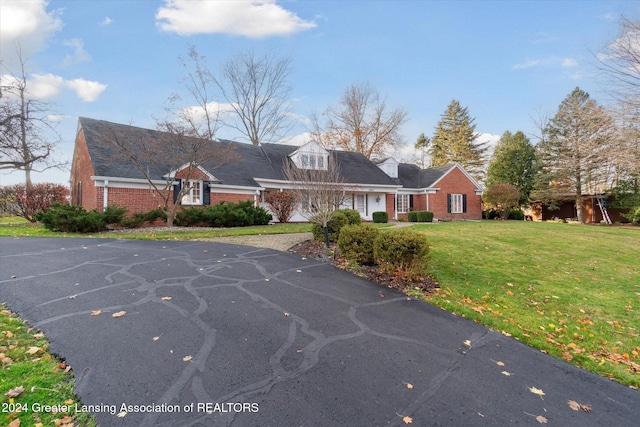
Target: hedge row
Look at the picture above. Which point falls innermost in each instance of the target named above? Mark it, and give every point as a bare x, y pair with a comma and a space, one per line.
420, 216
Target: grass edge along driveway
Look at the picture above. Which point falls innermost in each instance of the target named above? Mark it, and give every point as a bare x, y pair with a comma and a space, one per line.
572, 291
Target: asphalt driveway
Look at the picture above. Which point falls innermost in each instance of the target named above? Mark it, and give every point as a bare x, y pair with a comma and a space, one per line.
221, 334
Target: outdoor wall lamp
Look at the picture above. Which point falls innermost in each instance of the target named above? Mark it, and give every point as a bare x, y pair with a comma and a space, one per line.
378, 199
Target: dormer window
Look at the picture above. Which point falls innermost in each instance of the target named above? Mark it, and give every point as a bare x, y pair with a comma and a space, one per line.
392, 170
389, 166
312, 161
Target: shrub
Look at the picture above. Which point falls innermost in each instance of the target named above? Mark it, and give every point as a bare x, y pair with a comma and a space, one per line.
27, 200
339, 219
113, 214
425, 216
402, 252
356, 243
75, 219
516, 214
634, 216
380, 217
412, 216
282, 204
224, 214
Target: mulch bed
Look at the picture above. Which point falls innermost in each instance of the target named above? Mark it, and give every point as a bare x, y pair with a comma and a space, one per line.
314, 249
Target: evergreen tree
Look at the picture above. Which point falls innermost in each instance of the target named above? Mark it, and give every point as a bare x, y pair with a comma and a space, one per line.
575, 152
455, 141
514, 162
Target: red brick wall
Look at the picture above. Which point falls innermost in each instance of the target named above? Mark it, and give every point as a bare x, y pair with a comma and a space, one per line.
134, 199
81, 173
230, 198
455, 182
390, 202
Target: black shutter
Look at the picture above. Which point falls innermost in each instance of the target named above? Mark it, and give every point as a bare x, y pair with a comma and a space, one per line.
206, 193
464, 203
410, 202
448, 203
176, 190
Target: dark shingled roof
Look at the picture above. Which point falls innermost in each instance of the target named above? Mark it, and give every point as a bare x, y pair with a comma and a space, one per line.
411, 176
263, 161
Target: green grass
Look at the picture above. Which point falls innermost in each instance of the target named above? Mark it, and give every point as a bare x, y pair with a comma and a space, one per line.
46, 380
38, 230
11, 219
572, 291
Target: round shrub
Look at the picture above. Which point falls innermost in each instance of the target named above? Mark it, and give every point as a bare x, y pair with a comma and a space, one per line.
356, 243
380, 217
353, 216
402, 252
335, 224
412, 216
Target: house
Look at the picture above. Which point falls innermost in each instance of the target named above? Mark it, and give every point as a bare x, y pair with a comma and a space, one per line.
101, 176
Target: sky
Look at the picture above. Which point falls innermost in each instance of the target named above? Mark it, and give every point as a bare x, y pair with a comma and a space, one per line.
507, 62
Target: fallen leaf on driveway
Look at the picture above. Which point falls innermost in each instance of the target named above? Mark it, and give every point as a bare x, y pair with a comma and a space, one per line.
467, 343
407, 419
536, 391
119, 314
499, 363
96, 312
409, 386
187, 358
578, 406
165, 298
121, 414
14, 392
156, 338
541, 419
508, 374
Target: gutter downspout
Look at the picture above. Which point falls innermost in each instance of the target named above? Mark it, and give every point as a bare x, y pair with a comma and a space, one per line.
395, 206
105, 195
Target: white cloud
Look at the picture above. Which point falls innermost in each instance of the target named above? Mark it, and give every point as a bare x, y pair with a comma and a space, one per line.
45, 86
106, 21
252, 19
28, 24
79, 54
85, 89
569, 63
527, 64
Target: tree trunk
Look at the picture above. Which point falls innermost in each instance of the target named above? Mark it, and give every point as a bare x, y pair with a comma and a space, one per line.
326, 236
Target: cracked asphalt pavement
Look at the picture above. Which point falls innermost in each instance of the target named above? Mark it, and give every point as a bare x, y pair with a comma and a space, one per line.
222, 334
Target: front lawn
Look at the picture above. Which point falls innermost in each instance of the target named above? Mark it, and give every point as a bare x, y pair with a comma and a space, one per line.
570, 290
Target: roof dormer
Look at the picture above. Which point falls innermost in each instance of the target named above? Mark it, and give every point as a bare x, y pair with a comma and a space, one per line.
310, 156
389, 166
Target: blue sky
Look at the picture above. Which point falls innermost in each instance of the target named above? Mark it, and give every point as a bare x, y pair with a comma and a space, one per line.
508, 62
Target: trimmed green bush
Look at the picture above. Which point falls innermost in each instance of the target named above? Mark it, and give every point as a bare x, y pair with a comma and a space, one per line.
356, 243
402, 252
516, 214
425, 216
75, 219
412, 216
380, 217
340, 218
224, 214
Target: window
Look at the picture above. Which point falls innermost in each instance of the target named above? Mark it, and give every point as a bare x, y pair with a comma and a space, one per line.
392, 171
403, 203
192, 193
457, 203
312, 161
360, 204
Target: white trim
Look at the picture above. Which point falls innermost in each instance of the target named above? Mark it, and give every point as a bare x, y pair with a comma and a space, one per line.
284, 184
172, 174
99, 181
105, 194
479, 188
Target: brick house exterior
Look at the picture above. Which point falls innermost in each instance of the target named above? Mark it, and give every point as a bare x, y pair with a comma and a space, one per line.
101, 176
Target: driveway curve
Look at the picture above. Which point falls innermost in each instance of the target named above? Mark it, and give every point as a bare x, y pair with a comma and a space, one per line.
222, 334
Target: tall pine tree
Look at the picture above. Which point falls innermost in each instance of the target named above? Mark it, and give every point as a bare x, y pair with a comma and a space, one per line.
575, 152
514, 162
455, 141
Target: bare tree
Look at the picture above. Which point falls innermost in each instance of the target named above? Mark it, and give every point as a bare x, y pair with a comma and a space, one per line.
361, 122
319, 191
620, 61
27, 135
184, 143
255, 88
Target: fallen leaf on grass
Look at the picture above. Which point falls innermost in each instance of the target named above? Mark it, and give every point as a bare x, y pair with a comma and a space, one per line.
14, 423
8, 334
578, 406
536, 391
33, 350
14, 392
96, 312
119, 314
